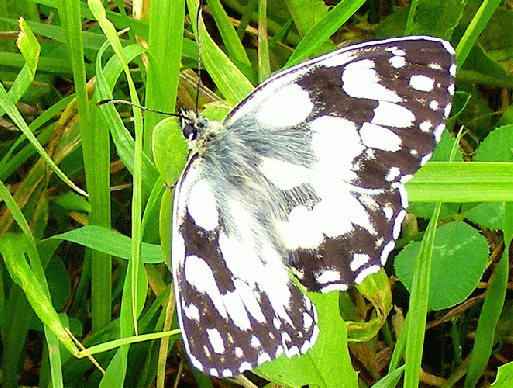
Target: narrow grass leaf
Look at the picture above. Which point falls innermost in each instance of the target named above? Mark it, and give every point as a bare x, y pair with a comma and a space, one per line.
418, 305
462, 182
111, 242
13, 248
488, 319
231, 82
474, 29
323, 30
232, 43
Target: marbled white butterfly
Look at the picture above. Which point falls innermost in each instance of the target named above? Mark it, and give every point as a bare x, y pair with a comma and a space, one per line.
307, 175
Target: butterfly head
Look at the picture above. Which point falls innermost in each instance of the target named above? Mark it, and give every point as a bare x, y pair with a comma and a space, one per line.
197, 130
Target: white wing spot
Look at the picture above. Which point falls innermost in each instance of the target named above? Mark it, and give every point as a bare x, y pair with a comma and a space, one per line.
434, 105
387, 249
285, 337
305, 347
438, 131
379, 242
214, 372
375, 136
434, 66
247, 296
425, 126
227, 373
307, 320
403, 195
452, 70
398, 222
191, 312
199, 275
422, 83
292, 351
236, 310
255, 342
338, 209
216, 340
392, 115
360, 80
245, 366
335, 142
263, 357
396, 51
288, 106
393, 173
284, 175
425, 159
305, 227
450, 89
447, 110
366, 272
334, 287
202, 205
406, 177
271, 276
388, 211
238, 352
328, 276
397, 61
359, 260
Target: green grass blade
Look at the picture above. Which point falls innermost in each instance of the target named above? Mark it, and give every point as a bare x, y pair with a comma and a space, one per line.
264, 65
96, 156
459, 182
228, 78
474, 29
322, 31
134, 288
418, 305
492, 308
165, 56
15, 116
232, 43
13, 248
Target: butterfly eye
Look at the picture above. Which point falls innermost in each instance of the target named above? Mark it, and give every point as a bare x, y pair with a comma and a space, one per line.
190, 131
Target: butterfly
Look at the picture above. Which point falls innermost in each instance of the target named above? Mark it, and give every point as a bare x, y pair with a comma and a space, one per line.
304, 176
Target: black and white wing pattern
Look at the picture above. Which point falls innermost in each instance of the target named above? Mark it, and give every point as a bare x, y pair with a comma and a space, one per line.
305, 175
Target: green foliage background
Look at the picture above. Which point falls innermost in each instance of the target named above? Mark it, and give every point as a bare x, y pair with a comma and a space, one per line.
59, 58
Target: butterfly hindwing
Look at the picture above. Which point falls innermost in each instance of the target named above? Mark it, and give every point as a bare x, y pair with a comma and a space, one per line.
306, 174
237, 306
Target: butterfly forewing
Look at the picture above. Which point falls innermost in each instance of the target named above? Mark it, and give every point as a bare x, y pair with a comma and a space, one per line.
306, 174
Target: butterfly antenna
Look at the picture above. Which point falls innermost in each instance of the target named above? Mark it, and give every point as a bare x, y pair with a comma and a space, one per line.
198, 47
113, 101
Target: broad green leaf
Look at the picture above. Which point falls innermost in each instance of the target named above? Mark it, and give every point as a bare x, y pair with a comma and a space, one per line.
460, 254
